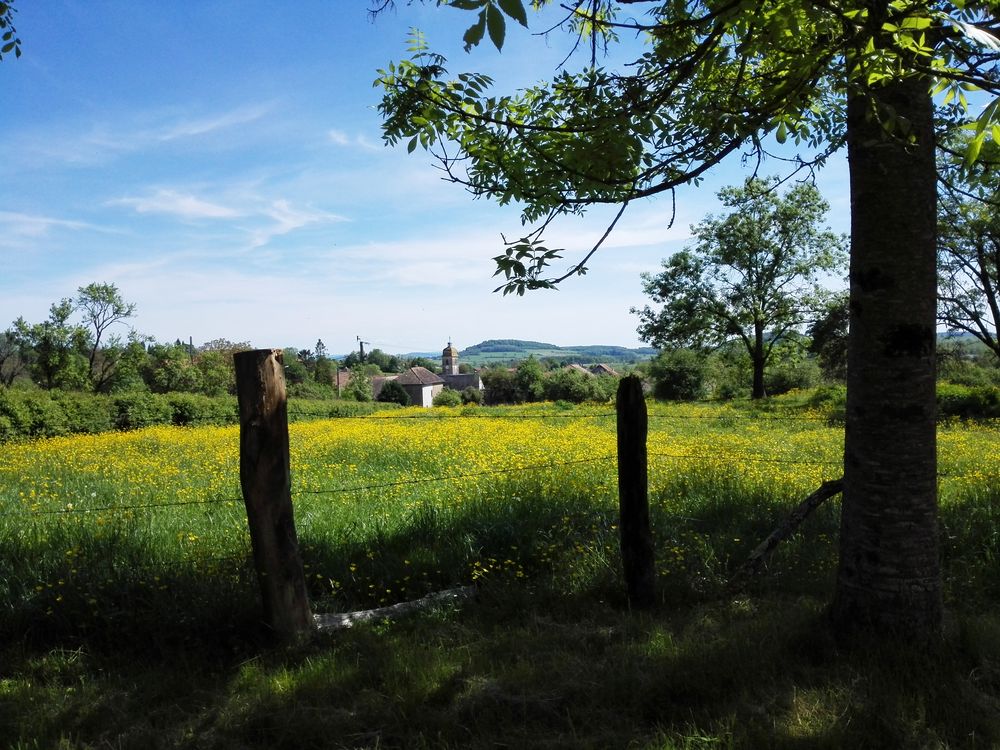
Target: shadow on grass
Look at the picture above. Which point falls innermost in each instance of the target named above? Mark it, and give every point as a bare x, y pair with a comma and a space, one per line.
545, 656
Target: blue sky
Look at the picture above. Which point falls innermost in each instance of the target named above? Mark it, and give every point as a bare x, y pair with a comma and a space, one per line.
221, 162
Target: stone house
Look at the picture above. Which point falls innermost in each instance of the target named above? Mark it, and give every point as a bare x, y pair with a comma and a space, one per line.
421, 385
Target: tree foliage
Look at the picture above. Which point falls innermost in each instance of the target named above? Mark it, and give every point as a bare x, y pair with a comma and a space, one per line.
711, 79
969, 250
752, 274
102, 306
828, 336
392, 392
9, 40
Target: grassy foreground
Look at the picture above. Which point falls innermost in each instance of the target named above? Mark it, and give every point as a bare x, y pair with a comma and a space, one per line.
130, 610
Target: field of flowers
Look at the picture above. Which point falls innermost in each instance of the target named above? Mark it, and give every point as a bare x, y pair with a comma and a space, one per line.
121, 529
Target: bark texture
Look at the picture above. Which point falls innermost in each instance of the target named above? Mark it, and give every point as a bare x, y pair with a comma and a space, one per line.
889, 574
638, 559
265, 476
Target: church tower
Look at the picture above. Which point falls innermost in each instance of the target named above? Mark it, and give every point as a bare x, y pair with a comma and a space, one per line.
449, 360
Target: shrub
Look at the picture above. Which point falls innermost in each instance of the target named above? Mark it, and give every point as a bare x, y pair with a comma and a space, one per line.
965, 402
448, 397
604, 388
393, 393
792, 375
832, 400
140, 409
500, 387
472, 395
15, 419
195, 409
85, 412
678, 375
568, 385
310, 389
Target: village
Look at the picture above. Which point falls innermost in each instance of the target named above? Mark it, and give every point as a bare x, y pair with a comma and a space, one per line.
423, 385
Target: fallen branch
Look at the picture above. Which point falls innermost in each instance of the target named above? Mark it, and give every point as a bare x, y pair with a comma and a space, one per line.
325, 622
757, 558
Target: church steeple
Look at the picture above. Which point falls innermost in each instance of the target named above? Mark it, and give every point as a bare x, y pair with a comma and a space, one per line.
449, 360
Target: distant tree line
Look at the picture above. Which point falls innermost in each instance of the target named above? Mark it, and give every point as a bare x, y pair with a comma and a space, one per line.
86, 344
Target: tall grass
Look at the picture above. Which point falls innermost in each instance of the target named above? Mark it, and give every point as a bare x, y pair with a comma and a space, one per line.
126, 577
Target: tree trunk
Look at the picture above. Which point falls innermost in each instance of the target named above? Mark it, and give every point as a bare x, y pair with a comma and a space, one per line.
889, 576
757, 358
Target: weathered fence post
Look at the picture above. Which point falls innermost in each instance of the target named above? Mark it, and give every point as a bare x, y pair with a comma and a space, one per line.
633, 499
266, 480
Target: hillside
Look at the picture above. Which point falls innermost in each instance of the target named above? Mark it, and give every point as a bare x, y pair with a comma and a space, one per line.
509, 350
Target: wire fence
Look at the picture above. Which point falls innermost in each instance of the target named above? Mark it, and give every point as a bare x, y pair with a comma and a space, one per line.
238, 562
747, 459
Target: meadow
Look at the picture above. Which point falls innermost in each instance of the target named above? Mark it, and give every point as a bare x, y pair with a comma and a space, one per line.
130, 614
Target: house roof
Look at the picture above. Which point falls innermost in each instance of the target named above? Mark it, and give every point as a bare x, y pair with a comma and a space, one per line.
603, 369
418, 376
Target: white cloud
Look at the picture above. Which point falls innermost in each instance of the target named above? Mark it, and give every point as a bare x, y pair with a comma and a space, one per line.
33, 225
197, 127
95, 142
340, 138
179, 204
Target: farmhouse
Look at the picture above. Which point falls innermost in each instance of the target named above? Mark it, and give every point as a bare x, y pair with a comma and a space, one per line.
421, 385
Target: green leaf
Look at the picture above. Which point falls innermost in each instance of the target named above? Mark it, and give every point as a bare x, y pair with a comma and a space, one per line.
497, 26
972, 152
467, 4
515, 9
412, 145
474, 34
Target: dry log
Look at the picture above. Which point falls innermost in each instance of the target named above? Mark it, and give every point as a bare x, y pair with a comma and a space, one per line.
341, 621
757, 558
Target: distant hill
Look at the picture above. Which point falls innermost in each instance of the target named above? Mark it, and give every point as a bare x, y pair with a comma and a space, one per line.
497, 351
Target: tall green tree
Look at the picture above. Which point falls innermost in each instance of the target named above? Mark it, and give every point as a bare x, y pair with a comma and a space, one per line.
101, 305
11, 364
969, 250
828, 335
715, 77
751, 275
54, 350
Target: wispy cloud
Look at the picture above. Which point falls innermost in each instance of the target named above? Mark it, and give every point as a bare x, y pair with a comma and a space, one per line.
203, 126
34, 225
98, 141
287, 219
174, 203
361, 141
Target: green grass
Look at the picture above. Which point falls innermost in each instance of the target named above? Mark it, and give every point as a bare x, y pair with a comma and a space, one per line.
128, 633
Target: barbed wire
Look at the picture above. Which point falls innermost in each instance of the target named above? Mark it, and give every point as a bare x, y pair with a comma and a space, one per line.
452, 477
751, 458
380, 417
456, 477
120, 508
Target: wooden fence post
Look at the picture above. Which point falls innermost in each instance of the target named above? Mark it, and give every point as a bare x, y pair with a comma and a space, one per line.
266, 480
633, 498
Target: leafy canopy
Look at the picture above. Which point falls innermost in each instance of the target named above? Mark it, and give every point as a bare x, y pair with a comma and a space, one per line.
697, 82
752, 270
